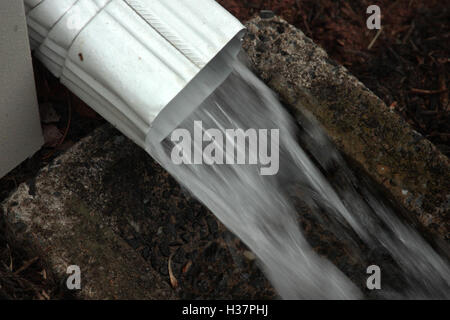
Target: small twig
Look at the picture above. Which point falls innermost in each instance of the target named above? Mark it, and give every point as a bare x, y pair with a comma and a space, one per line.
445, 35
187, 266
408, 34
305, 21
374, 39
45, 295
26, 265
69, 120
423, 91
10, 258
173, 280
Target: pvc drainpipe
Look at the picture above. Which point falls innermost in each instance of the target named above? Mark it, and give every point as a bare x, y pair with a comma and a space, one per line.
144, 65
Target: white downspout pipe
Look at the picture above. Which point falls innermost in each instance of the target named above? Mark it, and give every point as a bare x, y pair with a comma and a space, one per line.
144, 65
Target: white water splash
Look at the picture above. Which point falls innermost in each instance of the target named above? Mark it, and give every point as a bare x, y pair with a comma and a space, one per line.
259, 210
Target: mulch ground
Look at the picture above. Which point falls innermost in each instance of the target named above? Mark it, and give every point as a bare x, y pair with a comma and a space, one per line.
406, 65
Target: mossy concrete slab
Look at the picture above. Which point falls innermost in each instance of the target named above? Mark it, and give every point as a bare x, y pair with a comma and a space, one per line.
361, 125
51, 217
108, 207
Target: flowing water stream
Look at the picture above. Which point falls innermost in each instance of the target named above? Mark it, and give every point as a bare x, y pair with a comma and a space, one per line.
261, 211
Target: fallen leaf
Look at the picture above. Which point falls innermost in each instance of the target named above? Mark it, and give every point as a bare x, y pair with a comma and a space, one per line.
173, 280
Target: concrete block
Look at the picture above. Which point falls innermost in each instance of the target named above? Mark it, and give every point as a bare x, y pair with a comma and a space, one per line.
409, 166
